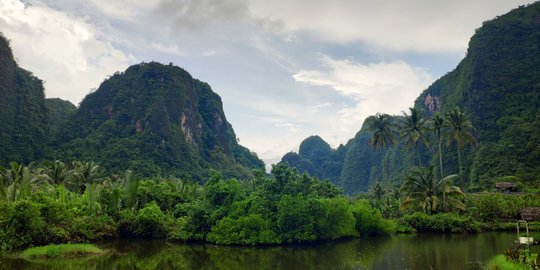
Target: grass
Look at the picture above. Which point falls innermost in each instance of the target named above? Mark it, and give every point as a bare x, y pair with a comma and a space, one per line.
499, 262
63, 251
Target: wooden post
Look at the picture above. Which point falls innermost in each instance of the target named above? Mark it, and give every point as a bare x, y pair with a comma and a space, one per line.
517, 226
528, 244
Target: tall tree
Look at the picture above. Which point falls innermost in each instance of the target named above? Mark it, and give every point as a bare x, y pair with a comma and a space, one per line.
461, 131
412, 129
383, 134
437, 124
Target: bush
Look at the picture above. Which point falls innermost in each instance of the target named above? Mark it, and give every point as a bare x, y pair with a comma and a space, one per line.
333, 219
447, 222
126, 224
489, 207
150, 222
177, 229
21, 223
294, 219
252, 229
369, 220
94, 227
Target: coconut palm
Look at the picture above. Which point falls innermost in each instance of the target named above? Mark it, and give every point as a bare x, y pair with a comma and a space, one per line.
421, 186
460, 130
383, 135
131, 185
85, 173
436, 124
412, 128
56, 173
18, 180
378, 191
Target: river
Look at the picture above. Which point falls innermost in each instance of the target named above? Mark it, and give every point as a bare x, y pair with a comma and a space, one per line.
414, 251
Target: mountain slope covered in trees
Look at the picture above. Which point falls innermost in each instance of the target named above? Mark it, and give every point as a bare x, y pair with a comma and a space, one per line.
154, 118
23, 113
498, 82
158, 119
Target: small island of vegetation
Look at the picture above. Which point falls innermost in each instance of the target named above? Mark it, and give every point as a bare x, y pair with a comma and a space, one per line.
61, 251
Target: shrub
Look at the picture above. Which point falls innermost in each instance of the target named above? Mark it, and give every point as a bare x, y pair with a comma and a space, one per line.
150, 221
177, 229
333, 219
369, 220
21, 223
447, 222
252, 229
94, 227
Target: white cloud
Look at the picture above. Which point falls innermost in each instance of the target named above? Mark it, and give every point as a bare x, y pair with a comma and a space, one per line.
67, 53
415, 25
168, 48
388, 87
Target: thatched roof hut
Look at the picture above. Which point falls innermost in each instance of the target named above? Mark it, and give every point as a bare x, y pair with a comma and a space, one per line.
503, 186
530, 214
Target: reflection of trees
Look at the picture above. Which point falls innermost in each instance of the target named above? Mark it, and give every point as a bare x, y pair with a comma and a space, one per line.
446, 251
346, 254
398, 252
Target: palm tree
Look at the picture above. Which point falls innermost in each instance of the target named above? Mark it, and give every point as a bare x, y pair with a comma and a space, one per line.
85, 173
56, 173
378, 191
460, 130
383, 136
437, 123
18, 181
131, 185
421, 186
412, 129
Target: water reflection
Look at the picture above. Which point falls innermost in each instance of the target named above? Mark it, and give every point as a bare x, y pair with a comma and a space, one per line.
399, 252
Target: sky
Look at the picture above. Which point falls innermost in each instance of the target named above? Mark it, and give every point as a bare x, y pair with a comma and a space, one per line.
285, 69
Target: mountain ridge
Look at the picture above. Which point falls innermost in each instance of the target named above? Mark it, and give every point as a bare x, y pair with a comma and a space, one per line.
498, 81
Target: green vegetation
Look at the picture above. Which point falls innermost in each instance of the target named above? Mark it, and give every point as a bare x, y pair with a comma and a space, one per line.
64, 250
23, 114
156, 120
496, 86
499, 262
422, 187
78, 202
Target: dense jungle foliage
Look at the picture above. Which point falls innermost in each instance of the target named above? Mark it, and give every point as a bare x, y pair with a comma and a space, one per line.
498, 82
54, 202
23, 113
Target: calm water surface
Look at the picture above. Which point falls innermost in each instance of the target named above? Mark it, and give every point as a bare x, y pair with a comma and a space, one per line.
423, 251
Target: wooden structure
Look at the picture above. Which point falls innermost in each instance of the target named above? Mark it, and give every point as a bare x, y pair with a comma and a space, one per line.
527, 214
505, 186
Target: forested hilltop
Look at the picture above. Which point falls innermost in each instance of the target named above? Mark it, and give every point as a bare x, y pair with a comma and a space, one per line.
23, 113
154, 118
497, 83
